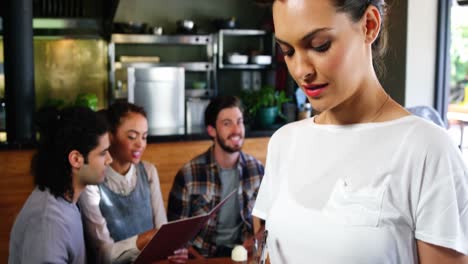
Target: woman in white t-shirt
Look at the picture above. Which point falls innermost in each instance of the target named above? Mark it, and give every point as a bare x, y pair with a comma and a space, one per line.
363, 181
122, 214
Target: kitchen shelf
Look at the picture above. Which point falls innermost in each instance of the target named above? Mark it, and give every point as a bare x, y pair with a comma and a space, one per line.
267, 45
200, 67
243, 32
204, 40
188, 66
245, 67
161, 39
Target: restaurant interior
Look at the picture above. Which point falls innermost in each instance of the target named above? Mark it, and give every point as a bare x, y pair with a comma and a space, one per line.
55, 53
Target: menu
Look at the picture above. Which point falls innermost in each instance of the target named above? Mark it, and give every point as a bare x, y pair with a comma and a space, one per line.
175, 235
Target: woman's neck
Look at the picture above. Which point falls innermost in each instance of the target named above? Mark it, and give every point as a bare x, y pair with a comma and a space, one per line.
363, 107
120, 167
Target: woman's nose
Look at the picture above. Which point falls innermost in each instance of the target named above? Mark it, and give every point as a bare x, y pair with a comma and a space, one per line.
302, 68
140, 142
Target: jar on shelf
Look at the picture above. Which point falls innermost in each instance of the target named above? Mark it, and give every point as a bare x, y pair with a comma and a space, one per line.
305, 111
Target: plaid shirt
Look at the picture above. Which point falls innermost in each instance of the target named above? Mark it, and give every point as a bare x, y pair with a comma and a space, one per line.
197, 189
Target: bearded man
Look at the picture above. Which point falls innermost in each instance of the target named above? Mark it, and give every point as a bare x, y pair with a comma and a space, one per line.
208, 178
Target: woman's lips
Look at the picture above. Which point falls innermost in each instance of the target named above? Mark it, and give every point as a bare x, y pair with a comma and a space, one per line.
136, 154
314, 90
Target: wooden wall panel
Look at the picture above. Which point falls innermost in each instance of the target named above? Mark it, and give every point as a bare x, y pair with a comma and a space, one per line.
16, 183
15, 187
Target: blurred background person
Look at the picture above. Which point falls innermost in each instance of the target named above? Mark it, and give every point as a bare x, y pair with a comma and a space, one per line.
72, 153
208, 178
122, 214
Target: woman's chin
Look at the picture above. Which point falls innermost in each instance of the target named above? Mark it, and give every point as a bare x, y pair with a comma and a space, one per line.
136, 160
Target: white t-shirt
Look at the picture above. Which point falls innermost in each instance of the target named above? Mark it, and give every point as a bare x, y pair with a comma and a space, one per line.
362, 193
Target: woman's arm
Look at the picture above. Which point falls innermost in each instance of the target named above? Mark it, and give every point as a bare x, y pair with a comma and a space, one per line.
98, 234
157, 203
432, 254
159, 214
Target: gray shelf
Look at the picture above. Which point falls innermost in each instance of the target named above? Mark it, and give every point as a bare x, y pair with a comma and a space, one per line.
266, 42
245, 66
242, 32
188, 66
161, 39
207, 68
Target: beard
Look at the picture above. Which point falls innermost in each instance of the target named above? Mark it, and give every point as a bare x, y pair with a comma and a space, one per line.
225, 147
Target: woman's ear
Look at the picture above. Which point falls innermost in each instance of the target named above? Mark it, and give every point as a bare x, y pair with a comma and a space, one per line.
211, 131
371, 24
76, 159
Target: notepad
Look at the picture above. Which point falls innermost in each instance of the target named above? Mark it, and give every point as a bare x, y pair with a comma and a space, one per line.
175, 235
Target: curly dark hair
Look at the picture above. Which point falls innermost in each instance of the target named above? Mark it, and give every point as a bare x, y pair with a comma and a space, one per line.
216, 105
356, 9
72, 128
115, 112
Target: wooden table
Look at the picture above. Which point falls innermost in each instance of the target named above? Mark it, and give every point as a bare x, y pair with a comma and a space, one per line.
212, 261
204, 261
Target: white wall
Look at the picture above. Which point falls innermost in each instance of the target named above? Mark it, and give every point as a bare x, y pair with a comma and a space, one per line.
421, 52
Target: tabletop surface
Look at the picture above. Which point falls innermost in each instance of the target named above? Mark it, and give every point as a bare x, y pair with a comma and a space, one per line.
204, 261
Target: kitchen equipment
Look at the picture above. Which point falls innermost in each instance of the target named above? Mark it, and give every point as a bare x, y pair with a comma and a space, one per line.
260, 59
225, 23
196, 92
305, 111
130, 27
160, 90
2, 114
236, 58
195, 114
156, 30
132, 59
186, 26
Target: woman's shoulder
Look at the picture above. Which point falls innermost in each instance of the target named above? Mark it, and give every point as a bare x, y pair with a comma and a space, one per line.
288, 129
150, 169
427, 130
423, 137
148, 165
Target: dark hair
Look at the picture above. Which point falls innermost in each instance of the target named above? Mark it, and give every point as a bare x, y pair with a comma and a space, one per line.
73, 128
216, 105
356, 9
118, 110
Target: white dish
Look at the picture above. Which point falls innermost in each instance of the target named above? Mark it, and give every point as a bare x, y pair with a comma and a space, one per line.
260, 59
237, 58
196, 92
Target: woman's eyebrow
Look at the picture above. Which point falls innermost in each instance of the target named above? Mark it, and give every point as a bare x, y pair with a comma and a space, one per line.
313, 33
307, 36
136, 132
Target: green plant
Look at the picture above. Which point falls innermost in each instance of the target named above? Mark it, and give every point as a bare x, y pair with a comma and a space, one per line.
266, 97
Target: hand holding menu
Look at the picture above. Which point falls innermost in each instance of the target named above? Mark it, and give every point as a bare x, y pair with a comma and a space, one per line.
175, 235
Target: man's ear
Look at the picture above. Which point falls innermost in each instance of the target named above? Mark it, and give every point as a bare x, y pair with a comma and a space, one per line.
211, 131
76, 159
371, 24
